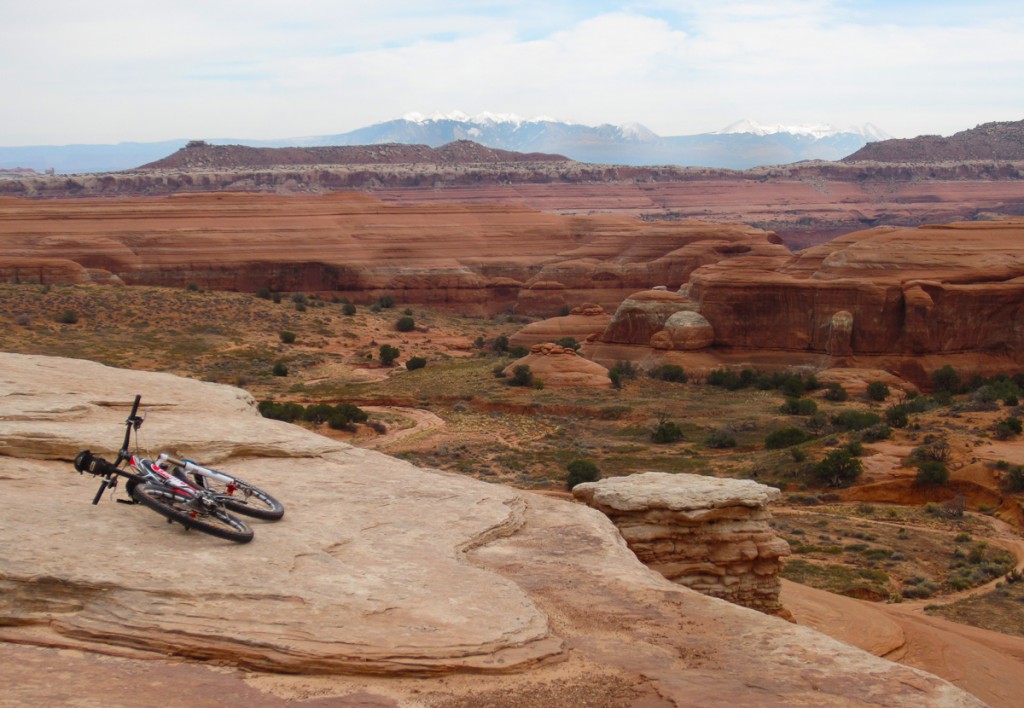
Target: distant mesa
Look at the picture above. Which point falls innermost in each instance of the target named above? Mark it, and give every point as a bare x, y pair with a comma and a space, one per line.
989, 141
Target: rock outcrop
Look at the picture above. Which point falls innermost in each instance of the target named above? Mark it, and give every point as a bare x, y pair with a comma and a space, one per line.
709, 534
379, 569
561, 367
582, 323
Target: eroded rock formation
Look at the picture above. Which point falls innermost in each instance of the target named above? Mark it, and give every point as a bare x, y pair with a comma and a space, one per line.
709, 534
581, 324
561, 367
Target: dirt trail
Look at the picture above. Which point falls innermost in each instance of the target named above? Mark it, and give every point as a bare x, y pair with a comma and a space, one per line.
423, 422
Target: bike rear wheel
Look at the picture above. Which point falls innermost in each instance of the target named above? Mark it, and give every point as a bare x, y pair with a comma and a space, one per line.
242, 497
175, 507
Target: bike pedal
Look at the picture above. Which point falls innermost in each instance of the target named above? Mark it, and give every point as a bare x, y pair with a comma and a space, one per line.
126, 501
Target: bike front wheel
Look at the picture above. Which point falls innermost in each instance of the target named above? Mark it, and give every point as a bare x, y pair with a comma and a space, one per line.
175, 507
241, 497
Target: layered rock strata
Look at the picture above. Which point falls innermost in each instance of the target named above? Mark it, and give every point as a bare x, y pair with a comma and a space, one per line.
475, 257
709, 534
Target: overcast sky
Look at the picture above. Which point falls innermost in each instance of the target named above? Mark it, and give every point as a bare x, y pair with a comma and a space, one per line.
143, 70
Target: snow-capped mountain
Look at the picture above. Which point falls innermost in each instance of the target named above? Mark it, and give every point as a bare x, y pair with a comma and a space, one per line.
870, 132
738, 146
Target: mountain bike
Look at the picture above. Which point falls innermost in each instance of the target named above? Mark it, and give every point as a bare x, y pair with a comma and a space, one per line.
195, 496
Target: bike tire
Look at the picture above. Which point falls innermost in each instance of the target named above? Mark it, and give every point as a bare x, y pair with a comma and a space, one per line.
216, 522
244, 498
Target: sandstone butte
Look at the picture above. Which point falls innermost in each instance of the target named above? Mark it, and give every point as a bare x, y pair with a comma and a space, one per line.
903, 300
385, 584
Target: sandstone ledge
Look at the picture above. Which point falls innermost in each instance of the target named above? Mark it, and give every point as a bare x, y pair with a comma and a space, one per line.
378, 567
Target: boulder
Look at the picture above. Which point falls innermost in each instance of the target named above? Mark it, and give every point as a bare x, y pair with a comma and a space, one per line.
688, 330
643, 314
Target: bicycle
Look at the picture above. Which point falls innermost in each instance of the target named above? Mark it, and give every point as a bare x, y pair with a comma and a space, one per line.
182, 490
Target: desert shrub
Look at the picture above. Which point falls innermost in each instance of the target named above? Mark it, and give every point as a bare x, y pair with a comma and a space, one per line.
521, 376
263, 293
669, 372
388, 354
666, 431
300, 299
838, 469
897, 416
1006, 428
876, 433
1013, 480
318, 413
192, 287
286, 337
799, 406
627, 369
725, 378
66, 317
288, 412
856, 420
933, 448
798, 454
348, 309
931, 473
878, 391
500, 344
835, 392
275, 298
720, 440
568, 343
405, 324
785, 437
855, 448
386, 302
280, 369
339, 421
946, 379
581, 471
793, 386
416, 362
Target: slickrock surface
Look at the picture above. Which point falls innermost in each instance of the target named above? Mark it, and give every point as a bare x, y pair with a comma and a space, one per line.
378, 570
473, 257
709, 534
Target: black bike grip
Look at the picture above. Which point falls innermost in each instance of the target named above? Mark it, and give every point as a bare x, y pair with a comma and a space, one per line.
99, 492
135, 406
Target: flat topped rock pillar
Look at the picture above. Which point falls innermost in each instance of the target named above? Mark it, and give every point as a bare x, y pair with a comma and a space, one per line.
707, 533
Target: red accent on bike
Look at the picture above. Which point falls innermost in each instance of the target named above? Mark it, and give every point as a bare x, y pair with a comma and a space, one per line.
231, 488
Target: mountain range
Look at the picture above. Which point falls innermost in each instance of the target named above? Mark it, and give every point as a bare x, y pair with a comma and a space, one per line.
741, 145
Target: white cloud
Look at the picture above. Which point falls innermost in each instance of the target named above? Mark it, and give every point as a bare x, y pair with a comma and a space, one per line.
119, 70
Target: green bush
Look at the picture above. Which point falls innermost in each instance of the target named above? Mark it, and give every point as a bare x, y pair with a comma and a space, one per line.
581, 471
878, 391
318, 413
388, 354
288, 412
568, 343
416, 362
286, 337
348, 309
67, 317
785, 437
897, 416
405, 324
876, 433
946, 379
280, 369
386, 302
931, 473
835, 392
799, 406
838, 469
1006, 428
666, 432
521, 376
669, 372
856, 420
720, 440
263, 293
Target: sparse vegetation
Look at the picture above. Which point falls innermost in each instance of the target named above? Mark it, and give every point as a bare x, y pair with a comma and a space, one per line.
581, 471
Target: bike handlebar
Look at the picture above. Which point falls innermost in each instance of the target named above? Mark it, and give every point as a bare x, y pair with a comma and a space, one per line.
133, 421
